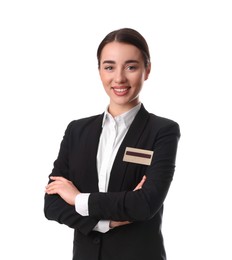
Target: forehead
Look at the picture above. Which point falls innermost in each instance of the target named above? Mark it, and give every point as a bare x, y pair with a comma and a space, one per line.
120, 51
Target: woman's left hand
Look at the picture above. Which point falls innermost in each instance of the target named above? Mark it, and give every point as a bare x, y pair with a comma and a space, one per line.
114, 224
63, 187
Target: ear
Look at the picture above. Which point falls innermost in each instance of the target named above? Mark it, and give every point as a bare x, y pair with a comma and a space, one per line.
147, 71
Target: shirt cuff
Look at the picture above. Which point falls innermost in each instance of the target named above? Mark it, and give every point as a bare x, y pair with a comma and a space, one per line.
81, 204
102, 226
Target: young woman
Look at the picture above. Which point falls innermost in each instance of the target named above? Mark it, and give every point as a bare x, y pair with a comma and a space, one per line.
114, 170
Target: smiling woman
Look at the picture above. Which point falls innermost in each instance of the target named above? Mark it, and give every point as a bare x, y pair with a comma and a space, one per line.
122, 71
114, 170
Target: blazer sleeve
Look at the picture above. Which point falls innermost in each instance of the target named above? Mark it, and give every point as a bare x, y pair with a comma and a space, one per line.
142, 204
55, 208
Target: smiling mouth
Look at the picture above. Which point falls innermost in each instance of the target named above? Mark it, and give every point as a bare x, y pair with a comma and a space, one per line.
121, 91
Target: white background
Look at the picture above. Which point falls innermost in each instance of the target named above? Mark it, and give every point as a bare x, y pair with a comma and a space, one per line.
48, 77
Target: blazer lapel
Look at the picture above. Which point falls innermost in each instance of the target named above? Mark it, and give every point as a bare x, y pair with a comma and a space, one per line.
131, 140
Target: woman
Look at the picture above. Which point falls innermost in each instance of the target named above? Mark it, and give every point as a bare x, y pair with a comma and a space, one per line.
114, 170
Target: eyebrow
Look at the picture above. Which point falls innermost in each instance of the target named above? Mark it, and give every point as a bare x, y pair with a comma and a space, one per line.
113, 62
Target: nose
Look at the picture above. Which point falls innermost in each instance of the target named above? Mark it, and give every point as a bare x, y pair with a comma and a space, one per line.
120, 76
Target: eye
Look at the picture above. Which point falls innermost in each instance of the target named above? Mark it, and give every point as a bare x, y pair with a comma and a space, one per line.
108, 68
131, 67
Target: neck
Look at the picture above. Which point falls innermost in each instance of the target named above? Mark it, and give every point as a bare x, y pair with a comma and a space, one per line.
116, 110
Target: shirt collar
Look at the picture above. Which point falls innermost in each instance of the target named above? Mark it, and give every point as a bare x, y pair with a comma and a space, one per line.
126, 118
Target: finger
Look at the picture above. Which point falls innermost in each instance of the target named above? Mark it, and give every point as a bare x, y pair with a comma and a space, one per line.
54, 187
140, 185
143, 180
50, 192
53, 184
58, 178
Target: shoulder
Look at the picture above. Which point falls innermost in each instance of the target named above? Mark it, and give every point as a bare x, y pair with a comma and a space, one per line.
83, 124
86, 120
161, 121
158, 123
165, 124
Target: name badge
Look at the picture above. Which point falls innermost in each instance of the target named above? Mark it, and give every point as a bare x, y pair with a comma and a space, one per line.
139, 156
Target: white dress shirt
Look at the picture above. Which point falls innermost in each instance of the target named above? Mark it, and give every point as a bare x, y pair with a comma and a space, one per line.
114, 130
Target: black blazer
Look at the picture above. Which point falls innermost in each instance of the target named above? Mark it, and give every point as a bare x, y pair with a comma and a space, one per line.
142, 239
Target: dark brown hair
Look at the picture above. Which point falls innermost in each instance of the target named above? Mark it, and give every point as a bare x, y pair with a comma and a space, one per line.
126, 35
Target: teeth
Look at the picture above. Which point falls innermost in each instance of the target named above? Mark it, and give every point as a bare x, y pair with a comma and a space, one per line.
120, 90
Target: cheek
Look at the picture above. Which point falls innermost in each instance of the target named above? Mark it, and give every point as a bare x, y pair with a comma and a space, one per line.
106, 83
104, 78
138, 81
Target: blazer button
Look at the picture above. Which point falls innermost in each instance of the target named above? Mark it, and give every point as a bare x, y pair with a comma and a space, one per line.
96, 240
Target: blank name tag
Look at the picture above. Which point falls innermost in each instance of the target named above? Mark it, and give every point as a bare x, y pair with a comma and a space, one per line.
139, 156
